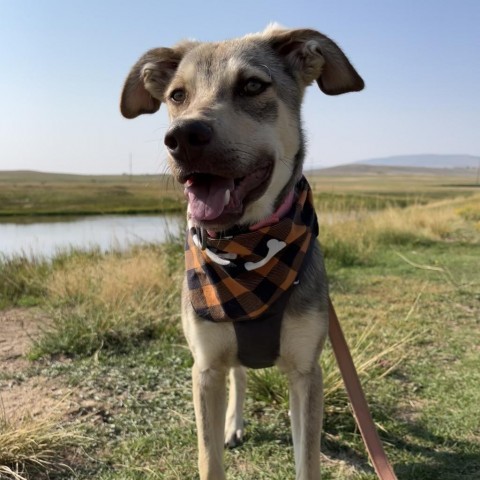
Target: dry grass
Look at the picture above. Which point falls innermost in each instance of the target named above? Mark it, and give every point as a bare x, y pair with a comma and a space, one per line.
413, 224
269, 385
368, 360
112, 300
37, 444
112, 280
353, 238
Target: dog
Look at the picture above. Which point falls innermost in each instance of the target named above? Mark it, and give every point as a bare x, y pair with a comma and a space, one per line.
235, 143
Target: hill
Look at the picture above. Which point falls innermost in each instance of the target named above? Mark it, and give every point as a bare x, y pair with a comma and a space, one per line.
359, 169
426, 161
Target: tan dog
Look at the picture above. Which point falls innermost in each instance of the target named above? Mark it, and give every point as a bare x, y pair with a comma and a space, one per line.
235, 142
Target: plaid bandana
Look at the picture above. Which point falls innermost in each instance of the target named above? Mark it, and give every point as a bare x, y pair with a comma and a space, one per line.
239, 278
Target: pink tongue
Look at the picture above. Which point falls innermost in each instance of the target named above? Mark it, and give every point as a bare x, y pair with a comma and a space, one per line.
206, 201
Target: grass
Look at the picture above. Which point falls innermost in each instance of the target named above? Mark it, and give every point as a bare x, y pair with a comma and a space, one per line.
111, 301
32, 446
27, 194
406, 285
20, 281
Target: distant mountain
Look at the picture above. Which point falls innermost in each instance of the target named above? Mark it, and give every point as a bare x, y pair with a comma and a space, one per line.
425, 161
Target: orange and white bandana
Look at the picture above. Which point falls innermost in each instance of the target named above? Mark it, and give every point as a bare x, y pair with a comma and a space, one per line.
239, 278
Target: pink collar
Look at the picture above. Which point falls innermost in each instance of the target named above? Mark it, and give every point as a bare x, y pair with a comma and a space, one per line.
276, 216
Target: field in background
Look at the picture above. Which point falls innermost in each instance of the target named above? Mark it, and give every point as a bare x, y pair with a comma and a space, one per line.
108, 375
353, 187
24, 194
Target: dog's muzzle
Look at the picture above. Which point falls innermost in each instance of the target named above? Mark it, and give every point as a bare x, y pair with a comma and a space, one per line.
218, 184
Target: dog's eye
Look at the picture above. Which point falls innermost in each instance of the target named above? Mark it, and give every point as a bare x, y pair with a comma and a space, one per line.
178, 95
254, 86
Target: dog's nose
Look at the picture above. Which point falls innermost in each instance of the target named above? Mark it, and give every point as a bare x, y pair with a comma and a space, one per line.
186, 136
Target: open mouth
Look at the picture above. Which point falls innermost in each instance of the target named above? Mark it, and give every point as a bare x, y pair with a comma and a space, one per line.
213, 199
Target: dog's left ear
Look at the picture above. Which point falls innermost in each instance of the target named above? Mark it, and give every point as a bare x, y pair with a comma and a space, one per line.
315, 57
149, 77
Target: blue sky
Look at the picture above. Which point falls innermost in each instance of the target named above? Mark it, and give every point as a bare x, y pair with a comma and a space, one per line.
63, 64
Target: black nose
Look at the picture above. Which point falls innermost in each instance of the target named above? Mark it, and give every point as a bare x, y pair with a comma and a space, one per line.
187, 136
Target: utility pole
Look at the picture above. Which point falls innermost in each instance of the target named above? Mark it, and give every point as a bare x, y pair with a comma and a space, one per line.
130, 166
478, 172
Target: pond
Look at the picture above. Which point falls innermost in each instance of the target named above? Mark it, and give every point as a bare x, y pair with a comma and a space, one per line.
43, 237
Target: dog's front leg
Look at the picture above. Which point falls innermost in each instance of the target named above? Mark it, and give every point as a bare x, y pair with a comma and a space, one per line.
306, 405
209, 392
236, 398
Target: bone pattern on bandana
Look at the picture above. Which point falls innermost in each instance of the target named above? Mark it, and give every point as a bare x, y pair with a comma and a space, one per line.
239, 278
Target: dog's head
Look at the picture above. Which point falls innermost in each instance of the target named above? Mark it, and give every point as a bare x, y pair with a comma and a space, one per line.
235, 139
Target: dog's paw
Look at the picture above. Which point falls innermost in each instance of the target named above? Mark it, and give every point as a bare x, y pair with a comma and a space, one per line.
233, 437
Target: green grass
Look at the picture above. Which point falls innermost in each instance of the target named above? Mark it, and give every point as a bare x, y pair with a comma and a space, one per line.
22, 281
406, 285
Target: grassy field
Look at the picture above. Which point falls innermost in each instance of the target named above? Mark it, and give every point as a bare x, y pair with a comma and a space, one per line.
29, 194
114, 371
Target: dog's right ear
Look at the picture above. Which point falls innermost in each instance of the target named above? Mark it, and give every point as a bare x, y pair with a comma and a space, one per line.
315, 57
145, 85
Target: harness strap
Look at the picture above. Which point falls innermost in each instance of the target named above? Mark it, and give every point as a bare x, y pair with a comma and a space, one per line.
357, 399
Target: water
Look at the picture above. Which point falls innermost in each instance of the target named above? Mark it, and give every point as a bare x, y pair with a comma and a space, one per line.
36, 237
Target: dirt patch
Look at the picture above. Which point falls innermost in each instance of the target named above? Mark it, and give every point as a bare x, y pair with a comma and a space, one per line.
23, 396
26, 395
36, 398
18, 329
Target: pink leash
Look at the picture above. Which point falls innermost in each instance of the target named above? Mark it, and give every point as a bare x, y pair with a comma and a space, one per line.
359, 404
352, 383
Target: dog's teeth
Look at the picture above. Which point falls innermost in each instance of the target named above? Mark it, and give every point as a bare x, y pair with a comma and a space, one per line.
227, 197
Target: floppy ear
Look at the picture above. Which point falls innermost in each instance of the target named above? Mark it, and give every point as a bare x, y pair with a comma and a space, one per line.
315, 57
146, 83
